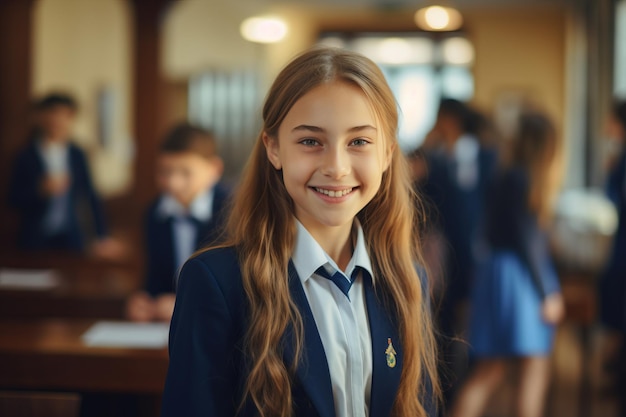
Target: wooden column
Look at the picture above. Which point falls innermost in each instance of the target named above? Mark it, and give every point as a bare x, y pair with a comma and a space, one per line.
600, 16
148, 94
15, 91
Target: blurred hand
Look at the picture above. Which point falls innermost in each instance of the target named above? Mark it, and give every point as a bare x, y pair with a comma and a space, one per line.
553, 309
141, 307
54, 185
165, 307
108, 248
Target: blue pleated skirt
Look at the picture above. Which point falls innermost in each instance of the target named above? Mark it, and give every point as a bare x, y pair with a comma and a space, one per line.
506, 310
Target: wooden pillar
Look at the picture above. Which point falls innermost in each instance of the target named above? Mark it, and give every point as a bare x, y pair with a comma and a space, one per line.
148, 93
15, 94
600, 16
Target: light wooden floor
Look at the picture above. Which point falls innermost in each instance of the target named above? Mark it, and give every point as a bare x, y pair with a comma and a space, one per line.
565, 393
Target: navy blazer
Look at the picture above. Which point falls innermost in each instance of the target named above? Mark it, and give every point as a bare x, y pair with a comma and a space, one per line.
207, 367
459, 213
613, 283
25, 196
160, 244
616, 190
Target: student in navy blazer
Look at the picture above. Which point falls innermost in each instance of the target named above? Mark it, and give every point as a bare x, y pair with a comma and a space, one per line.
459, 168
312, 306
613, 284
613, 280
50, 180
188, 214
162, 264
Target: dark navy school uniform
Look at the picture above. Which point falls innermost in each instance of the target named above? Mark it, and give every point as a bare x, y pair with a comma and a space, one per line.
456, 187
28, 173
459, 214
510, 288
207, 365
162, 263
613, 283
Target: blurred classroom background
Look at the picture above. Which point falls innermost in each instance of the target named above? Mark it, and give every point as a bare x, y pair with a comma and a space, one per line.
137, 67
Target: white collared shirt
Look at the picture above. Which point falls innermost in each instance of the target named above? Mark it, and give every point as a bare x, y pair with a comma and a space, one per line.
342, 322
466, 152
55, 157
185, 232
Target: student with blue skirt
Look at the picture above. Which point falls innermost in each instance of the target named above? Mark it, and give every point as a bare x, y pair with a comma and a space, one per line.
516, 299
313, 306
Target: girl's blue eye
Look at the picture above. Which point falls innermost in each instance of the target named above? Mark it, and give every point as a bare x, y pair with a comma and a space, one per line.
309, 142
359, 142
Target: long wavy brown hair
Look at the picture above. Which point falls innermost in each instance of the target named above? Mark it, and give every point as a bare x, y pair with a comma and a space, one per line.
537, 149
262, 228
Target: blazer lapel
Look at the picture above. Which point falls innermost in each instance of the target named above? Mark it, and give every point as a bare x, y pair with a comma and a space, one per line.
385, 374
312, 371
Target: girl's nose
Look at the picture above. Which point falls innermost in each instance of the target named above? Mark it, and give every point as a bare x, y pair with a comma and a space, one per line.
336, 162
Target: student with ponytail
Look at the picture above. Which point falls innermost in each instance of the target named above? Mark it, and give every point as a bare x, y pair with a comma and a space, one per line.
313, 306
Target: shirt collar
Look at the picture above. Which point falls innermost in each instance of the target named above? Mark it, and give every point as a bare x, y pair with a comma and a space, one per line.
466, 148
54, 155
201, 208
308, 255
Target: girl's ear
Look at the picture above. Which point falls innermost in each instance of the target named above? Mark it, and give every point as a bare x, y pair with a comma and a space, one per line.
271, 148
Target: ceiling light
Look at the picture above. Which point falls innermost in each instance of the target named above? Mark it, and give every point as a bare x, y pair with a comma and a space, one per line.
263, 29
438, 18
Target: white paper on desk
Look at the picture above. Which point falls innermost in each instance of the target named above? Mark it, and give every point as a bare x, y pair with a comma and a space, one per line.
28, 279
127, 335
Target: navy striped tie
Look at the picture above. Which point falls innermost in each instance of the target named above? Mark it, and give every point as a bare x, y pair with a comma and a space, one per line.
339, 279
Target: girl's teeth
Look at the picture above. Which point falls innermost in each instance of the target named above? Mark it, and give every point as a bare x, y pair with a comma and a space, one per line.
333, 193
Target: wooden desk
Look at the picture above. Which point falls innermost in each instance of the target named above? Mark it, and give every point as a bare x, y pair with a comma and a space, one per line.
64, 260
49, 355
88, 288
99, 294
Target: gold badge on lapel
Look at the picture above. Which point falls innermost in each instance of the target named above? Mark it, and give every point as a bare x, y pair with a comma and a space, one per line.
390, 353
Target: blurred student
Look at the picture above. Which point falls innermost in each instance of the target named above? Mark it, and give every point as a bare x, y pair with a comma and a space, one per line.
458, 170
613, 282
516, 299
187, 215
50, 181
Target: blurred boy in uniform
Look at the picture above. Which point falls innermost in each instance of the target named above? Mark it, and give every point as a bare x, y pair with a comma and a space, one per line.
185, 216
50, 181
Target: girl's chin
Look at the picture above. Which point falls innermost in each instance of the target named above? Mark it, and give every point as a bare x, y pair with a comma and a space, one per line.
329, 222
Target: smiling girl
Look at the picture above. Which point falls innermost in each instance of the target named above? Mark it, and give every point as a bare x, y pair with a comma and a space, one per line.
313, 307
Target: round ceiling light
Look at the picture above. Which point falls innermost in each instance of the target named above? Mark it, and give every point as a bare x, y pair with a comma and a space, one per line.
263, 29
438, 18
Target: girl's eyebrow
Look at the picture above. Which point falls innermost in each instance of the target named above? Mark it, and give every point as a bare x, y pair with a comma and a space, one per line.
318, 129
